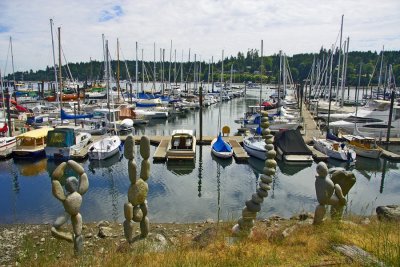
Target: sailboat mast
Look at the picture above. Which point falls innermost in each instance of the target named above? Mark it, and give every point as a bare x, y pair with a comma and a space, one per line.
60, 87
2, 97
154, 69
182, 70
380, 70
105, 67
340, 52
54, 61
142, 72
12, 61
118, 68
261, 72
330, 88
169, 67
136, 70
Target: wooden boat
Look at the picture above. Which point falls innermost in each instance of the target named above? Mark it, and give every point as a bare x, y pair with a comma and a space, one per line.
64, 141
182, 145
30, 145
104, 148
291, 147
65, 97
220, 148
363, 146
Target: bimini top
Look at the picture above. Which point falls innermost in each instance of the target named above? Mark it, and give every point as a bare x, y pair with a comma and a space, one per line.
37, 133
182, 132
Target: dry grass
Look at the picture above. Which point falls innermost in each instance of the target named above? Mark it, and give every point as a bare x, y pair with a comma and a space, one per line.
308, 245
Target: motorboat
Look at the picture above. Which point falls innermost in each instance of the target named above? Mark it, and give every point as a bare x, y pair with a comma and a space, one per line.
255, 146
6, 146
182, 145
291, 148
104, 148
363, 146
30, 145
65, 141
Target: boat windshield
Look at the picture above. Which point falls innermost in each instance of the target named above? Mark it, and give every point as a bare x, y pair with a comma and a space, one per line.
60, 139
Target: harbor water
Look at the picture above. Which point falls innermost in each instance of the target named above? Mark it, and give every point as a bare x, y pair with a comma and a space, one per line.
193, 191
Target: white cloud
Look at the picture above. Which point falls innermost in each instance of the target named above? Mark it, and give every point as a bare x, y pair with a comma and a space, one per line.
205, 26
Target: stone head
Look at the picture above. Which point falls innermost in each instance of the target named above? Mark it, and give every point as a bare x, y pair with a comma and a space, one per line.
71, 184
322, 170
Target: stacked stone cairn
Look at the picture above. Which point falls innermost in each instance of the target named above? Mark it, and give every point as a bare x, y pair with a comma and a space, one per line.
245, 224
72, 202
331, 191
135, 210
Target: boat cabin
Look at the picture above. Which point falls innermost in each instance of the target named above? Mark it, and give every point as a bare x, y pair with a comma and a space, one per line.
182, 145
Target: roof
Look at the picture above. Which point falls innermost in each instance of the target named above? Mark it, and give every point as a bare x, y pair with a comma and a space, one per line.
188, 132
37, 133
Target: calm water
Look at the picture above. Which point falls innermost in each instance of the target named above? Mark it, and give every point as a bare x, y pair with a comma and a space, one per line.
208, 188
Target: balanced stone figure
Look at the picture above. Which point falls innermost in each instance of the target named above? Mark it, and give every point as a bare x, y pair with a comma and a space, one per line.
331, 191
253, 206
71, 201
135, 210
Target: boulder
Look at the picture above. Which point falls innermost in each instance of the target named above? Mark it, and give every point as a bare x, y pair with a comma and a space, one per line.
389, 212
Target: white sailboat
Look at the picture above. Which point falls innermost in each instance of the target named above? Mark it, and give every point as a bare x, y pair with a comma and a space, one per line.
109, 145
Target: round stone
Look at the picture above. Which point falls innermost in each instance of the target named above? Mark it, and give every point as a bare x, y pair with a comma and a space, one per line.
257, 199
265, 131
264, 186
72, 203
271, 154
269, 146
266, 179
246, 214
129, 148
270, 163
252, 206
128, 230
71, 184
236, 230
269, 171
76, 167
264, 124
145, 147
264, 113
137, 214
145, 170
137, 193
78, 244
262, 192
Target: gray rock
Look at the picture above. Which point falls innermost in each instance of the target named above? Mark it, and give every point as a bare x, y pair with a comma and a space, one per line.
77, 224
206, 237
128, 230
145, 170
61, 220
78, 244
257, 199
389, 212
266, 179
209, 220
59, 171
132, 171
73, 203
103, 223
262, 193
137, 214
104, 232
264, 186
71, 184
145, 147
137, 193
252, 206
128, 211
129, 148
57, 190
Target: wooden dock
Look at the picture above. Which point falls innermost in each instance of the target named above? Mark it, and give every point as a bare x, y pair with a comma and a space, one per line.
318, 155
161, 151
238, 152
390, 155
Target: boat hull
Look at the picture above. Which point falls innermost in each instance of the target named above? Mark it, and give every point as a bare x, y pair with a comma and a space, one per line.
254, 151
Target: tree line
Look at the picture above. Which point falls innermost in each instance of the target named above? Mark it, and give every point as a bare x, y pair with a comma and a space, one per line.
246, 67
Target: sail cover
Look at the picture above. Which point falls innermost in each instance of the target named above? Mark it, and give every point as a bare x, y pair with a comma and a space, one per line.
65, 116
221, 146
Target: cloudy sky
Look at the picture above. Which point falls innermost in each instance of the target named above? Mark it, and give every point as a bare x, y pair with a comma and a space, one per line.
204, 26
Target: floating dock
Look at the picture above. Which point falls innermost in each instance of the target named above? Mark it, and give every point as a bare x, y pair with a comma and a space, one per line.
318, 155
161, 151
390, 155
238, 152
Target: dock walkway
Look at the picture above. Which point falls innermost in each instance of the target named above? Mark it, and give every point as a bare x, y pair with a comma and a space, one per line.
238, 152
161, 151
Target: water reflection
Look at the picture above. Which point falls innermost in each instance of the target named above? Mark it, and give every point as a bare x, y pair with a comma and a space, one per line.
291, 169
105, 163
181, 167
200, 175
29, 168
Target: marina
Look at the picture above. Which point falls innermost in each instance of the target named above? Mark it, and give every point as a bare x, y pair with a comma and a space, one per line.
193, 182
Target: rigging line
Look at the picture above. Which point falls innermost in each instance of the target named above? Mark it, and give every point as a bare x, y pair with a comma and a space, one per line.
5, 66
66, 63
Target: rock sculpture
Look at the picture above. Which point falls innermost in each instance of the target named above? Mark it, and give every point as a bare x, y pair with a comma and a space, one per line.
135, 210
249, 212
331, 191
71, 201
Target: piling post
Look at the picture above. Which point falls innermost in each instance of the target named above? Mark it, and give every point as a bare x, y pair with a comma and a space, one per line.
79, 99
390, 119
201, 113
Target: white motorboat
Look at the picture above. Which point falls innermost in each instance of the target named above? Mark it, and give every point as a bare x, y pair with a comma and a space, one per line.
363, 146
334, 149
104, 148
255, 147
6, 145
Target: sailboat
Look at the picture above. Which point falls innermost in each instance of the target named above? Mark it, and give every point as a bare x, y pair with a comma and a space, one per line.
6, 143
219, 147
109, 145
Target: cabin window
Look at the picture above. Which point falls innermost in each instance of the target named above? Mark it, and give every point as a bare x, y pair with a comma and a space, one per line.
57, 139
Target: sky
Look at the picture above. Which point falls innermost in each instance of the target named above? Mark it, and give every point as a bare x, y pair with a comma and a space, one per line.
206, 27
